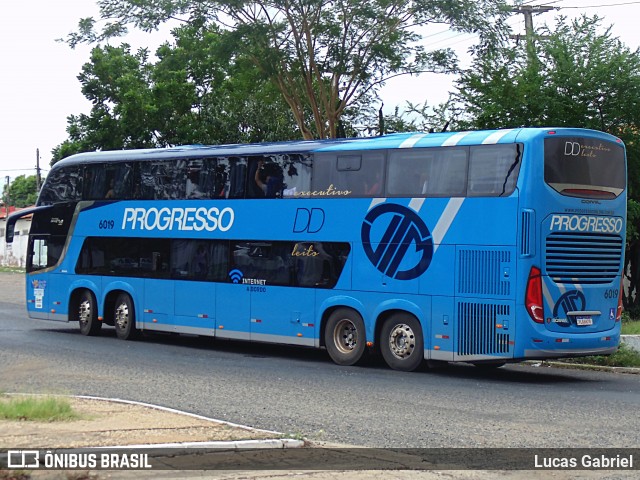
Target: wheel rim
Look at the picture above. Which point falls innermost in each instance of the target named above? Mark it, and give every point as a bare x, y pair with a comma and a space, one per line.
402, 341
122, 316
84, 312
345, 336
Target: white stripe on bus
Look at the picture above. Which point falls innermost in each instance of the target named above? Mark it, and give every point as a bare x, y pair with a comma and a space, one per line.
416, 203
495, 137
445, 221
454, 139
412, 140
376, 201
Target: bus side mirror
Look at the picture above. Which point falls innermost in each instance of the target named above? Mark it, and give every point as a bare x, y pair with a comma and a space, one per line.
9, 232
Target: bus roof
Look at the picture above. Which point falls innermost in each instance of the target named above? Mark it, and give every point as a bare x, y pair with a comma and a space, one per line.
396, 140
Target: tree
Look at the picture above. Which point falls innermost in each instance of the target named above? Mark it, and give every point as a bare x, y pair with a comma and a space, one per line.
580, 76
22, 191
323, 56
193, 93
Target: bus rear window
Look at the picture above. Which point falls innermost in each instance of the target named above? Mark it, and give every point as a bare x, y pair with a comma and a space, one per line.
584, 167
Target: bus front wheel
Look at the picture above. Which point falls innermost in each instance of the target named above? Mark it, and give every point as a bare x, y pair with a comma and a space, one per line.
345, 337
401, 342
124, 317
88, 314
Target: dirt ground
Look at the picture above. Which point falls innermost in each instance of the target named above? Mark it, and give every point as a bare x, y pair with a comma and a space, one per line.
114, 423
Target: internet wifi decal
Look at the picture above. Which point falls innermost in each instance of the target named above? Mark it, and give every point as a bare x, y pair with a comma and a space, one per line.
397, 241
236, 275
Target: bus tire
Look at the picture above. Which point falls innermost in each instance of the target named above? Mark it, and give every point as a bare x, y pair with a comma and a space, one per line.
124, 317
87, 309
401, 342
344, 336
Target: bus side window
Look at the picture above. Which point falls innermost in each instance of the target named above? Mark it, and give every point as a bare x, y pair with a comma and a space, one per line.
231, 177
200, 260
430, 172
265, 178
163, 180
62, 185
359, 175
493, 170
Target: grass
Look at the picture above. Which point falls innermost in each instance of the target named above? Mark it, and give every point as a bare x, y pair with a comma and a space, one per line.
625, 356
47, 409
630, 327
11, 269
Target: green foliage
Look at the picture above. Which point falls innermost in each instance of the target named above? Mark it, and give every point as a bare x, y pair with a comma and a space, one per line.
630, 327
47, 409
625, 356
324, 58
577, 77
194, 93
22, 192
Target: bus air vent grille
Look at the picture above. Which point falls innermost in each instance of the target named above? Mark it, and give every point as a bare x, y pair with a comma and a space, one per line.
527, 243
587, 258
481, 272
478, 331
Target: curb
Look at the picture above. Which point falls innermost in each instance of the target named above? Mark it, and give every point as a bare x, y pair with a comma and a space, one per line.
583, 366
276, 443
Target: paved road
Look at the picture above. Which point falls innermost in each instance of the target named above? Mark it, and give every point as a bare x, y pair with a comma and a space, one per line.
300, 391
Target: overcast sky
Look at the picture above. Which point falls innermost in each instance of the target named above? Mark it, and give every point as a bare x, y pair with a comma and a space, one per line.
39, 88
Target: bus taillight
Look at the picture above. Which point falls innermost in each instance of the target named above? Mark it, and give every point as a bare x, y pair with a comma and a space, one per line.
533, 299
620, 294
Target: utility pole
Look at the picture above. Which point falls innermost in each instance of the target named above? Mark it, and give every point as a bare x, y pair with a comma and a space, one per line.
528, 11
7, 199
38, 177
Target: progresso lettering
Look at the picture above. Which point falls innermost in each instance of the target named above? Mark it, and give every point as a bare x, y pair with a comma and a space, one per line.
586, 223
182, 219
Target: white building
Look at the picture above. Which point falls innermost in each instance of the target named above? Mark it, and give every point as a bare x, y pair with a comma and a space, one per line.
14, 254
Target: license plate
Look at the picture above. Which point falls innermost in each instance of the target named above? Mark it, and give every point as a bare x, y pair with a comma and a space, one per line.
583, 321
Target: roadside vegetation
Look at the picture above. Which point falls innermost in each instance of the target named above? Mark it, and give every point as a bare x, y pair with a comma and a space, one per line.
631, 322
11, 270
43, 409
624, 357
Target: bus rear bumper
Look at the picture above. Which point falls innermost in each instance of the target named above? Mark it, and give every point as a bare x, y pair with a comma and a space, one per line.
541, 354
583, 345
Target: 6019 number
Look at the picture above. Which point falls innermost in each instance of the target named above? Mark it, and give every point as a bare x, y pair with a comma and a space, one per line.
611, 293
106, 224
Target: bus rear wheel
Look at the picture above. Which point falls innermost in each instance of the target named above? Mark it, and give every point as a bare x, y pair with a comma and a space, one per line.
345, 337
124, 317
401, 342
88, 314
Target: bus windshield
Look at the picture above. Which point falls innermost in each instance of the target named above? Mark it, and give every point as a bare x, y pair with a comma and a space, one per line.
584, 167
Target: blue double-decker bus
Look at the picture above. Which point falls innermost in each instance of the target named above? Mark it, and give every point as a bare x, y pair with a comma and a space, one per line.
484, 247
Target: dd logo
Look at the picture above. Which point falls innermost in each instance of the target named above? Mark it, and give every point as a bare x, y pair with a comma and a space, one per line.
310, 221
571, 149
395, 228
572, 301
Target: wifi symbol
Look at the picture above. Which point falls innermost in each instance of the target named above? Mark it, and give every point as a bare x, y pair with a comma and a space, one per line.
235, 275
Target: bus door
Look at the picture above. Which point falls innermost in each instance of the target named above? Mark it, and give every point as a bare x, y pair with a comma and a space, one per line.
158, 303
233, 309
38, 286
278, 313
282, 314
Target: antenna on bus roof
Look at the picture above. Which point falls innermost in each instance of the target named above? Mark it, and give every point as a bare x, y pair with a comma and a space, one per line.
446, 125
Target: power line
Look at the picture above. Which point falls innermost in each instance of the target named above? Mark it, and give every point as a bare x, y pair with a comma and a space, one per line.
600, 6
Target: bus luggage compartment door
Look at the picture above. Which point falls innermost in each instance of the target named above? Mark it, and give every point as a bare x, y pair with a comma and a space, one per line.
195, 307
282, 315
